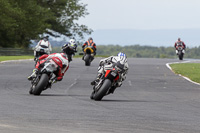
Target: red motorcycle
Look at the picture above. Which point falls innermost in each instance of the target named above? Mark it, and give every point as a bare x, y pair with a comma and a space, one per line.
180, 53
107, 81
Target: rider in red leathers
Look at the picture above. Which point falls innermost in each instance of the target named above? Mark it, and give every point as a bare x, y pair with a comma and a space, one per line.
59, 58
178, 43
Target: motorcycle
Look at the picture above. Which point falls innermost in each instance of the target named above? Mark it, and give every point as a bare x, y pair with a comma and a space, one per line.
44, 77
180, 52
88, 55
108, 81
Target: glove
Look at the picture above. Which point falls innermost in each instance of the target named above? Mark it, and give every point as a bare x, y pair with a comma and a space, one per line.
101, 63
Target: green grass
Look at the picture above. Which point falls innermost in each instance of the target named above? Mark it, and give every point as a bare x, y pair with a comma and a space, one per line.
5, 58
190, 70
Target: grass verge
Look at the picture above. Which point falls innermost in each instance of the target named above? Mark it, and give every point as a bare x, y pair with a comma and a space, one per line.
190, 70
5, 58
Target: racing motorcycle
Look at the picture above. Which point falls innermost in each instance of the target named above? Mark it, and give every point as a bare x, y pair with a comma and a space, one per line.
180, 52
88, 55
108, 81
44, 77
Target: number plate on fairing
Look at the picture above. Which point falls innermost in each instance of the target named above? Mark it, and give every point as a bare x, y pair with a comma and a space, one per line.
113, 74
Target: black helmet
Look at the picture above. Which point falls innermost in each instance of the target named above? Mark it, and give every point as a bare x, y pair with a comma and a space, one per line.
46, 37
90, 38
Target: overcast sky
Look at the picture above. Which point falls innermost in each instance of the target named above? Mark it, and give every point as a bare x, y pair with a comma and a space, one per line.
142, 14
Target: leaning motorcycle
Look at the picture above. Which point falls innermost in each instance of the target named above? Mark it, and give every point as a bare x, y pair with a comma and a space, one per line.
180, 52
107, 81
88, 55
45, 76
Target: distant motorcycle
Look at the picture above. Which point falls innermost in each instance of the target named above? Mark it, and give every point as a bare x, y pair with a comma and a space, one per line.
180, 52
45, 76
107, 81
88, 55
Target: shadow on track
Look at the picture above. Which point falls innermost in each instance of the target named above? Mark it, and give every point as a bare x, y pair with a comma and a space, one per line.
109, 100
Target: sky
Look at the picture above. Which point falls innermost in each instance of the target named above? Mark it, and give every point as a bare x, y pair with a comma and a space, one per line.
142, 14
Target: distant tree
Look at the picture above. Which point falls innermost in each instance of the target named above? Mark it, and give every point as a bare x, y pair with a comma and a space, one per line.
25, 20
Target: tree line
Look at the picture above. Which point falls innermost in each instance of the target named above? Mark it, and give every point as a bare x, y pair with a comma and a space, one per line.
24, 20
138, 51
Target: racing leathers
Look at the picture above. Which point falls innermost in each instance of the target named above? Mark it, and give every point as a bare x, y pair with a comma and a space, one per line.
71, 52
44, 45
59, 58
108, 62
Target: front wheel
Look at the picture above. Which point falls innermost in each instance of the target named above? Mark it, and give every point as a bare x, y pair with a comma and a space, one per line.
43, 82
180, 56
97, 96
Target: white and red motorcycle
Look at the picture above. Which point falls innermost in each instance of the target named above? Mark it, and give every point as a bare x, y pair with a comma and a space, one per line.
180, 51
108, 81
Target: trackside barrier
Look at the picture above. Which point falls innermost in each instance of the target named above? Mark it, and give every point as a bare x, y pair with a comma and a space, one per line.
15, 51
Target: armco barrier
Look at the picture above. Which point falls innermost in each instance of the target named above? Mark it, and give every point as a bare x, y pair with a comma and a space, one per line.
15, 51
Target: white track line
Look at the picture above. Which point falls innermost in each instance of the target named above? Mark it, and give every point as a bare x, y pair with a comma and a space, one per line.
168, 65
15, 60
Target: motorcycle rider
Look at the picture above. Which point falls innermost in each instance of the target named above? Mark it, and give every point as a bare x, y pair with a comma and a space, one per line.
59, 58
120, 58
178, 43
44, 43
72, 42
90, 42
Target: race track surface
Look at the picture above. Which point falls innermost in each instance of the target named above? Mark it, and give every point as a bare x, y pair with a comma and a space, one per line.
151, 100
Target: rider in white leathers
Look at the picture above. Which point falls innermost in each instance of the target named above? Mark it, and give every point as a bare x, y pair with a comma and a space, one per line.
108, 63
43, 44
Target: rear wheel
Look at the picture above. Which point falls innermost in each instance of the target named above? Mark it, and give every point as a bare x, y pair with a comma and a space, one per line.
36, 90
97, 96
87, 60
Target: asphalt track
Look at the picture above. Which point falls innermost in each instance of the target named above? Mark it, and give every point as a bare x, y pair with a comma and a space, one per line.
152, 100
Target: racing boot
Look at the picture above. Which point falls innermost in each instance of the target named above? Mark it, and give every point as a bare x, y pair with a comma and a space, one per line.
96, 80
33, 75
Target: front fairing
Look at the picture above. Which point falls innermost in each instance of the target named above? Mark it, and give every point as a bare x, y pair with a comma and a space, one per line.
88, 50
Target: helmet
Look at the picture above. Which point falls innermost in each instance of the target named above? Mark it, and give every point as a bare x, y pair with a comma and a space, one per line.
72, 41
90, 38
46, 38
122, 57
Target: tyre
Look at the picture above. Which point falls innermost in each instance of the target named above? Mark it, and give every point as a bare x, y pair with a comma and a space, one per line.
41, 85
97, 96
180, 56
92, 95
87, 60
31, 91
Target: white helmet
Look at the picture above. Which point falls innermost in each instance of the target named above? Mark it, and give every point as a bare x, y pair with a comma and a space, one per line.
122, 57
72, 41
